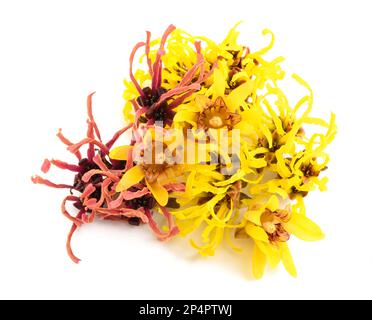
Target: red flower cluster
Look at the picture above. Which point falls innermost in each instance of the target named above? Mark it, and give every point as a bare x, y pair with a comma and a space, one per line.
93, 193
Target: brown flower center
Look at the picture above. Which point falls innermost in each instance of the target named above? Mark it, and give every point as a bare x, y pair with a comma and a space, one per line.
155, 161
153, 171
217, 115
272, 223
216, 121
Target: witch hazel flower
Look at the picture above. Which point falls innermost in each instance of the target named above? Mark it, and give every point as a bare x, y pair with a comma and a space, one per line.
152, 102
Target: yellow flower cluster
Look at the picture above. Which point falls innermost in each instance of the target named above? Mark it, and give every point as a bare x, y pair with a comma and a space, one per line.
257, 154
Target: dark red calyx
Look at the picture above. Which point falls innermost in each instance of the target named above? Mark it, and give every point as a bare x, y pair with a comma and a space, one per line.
85, 166
134, 221
150, 96
146, 202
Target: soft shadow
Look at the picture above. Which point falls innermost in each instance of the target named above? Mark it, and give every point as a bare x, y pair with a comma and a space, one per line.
225, 257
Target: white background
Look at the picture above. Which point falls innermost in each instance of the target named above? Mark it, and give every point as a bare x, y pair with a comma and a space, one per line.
54, 53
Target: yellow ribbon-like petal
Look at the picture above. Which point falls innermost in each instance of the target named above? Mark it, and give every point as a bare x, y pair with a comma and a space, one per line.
287, 260
271, 252
258, 262
130, 178
186, 116
120, 153
273, 203
303, 228
254, 216
236, 98
256, 232
218, 84
159, 192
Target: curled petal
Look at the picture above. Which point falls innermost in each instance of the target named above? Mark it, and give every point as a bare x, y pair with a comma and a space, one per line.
68, 143
66, 213
39, 180
87, 176
69, 237
172, 229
